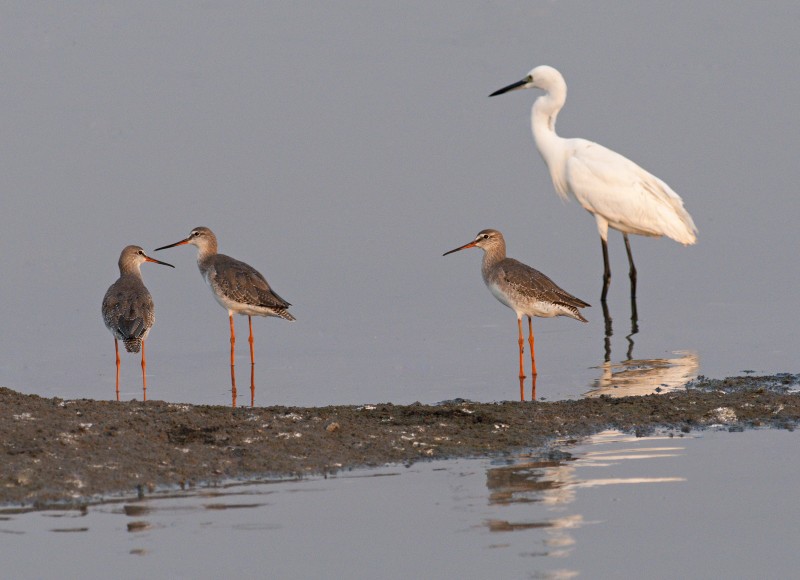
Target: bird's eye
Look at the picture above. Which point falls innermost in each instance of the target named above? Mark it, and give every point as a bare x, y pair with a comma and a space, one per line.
140, 252
485, 236
529, 79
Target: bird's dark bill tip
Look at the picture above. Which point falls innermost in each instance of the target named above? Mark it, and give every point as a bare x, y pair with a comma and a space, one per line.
149, 259
464, 247
511, 87
172, 245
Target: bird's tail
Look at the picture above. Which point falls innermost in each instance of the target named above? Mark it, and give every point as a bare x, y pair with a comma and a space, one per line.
285, 314
572, 311
133, 344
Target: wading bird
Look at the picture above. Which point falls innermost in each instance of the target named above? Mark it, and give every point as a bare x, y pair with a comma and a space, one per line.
239, 289
620, 194
523, 289
128, 309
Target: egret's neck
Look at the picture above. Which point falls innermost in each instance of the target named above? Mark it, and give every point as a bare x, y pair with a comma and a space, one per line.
543, 122
552, 148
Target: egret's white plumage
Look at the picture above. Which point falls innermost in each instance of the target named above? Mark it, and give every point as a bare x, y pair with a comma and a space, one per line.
620, 194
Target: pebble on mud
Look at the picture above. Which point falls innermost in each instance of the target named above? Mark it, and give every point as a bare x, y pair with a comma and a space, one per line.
138, 526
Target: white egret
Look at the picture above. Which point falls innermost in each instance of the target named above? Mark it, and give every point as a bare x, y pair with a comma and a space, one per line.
619, 193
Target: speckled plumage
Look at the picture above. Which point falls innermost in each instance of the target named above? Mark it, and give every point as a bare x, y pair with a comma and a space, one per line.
526, 291
128, 310
241, 288
238, 287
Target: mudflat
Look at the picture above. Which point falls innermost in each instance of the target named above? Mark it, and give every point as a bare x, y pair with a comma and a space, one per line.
81, 451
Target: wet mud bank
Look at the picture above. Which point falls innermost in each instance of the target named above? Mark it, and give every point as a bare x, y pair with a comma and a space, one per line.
80, 451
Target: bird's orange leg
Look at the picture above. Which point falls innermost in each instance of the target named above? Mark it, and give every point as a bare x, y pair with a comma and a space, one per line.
252, 364
533, 352
144, 375
116, 349
533, 360
233, 365
521, 348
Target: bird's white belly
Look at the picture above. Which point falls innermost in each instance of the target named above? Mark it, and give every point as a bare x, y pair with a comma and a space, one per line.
233, 306
543, 309
226, 303
500, 295
526, 307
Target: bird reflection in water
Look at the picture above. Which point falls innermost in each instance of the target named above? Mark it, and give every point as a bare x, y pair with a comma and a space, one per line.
609, 330
540, 486
635, 377
522, 388
544, 481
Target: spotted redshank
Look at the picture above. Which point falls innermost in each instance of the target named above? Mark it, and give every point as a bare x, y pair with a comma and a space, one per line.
239, 288
128, 309
526, 291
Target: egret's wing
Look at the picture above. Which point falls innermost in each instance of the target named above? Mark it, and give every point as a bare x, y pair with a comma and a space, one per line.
629, 198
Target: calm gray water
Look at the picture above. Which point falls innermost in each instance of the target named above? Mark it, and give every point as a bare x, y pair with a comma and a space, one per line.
709, 505
342, 148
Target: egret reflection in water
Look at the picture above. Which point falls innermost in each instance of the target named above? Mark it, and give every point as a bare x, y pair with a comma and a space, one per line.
645, 376
609, 330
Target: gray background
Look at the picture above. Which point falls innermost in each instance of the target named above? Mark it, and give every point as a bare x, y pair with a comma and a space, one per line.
341, 148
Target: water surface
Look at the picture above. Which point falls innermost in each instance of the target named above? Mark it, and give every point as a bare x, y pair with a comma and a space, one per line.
710, 504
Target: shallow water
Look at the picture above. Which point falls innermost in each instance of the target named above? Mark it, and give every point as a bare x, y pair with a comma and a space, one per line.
614, 506
342, 156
